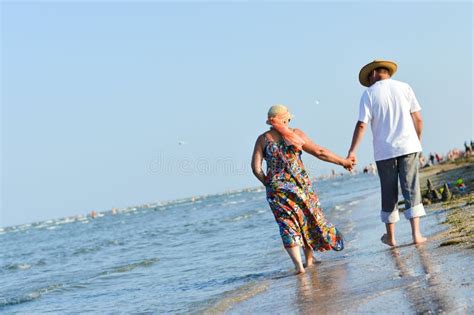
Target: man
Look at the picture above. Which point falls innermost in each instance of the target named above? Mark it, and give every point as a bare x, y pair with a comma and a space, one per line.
393, 112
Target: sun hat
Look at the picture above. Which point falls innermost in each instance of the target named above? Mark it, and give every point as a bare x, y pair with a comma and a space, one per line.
368, 68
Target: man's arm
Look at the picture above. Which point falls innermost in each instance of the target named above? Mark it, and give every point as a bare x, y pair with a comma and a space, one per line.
365, 116
415, 112
359, 132
418, 122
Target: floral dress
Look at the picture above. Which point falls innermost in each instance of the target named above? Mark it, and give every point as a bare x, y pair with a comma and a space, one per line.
293, 201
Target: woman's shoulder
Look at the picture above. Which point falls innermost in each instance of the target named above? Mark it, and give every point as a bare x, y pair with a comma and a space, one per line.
271, 135
266, 134
262, 137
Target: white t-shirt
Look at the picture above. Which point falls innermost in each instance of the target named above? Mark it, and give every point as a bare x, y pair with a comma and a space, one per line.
388, 105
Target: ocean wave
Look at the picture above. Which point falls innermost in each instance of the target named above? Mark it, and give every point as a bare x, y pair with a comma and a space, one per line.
236, 280
129, 267
17, 266
354, 202
86, 250
39, 292
242, 217
23, 265
229, 298
64, 221
41, 226
97, 247
31, 296
131, 209
247, 277
232, 202
246, 215
113, 242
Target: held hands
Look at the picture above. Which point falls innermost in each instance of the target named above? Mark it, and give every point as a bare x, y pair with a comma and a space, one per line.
350, 162
352, 156
348, 165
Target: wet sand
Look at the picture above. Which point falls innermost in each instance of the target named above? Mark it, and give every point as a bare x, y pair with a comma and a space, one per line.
369, 277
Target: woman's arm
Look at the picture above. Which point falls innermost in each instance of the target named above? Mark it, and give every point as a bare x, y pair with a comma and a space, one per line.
323, 153
257, 159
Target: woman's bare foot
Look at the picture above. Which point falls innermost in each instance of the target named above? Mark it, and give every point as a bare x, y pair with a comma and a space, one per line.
309, 262
299, 271
390, 242
419, 239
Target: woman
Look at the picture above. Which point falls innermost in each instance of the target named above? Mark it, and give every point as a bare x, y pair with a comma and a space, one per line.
289, 190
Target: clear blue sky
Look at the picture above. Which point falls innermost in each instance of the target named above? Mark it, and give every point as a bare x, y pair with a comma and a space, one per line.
96, 96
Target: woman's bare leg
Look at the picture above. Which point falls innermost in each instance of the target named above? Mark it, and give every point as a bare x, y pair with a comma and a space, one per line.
308, 254
295, 256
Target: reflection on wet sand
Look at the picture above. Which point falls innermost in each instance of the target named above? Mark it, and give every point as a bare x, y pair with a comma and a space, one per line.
424, 292
325, 289
318, 288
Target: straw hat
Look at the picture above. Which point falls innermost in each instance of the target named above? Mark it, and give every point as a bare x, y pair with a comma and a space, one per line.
279, 110
368, 68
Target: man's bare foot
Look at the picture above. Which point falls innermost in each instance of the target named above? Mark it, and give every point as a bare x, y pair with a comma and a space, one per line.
419, 239
387, 241
299, 271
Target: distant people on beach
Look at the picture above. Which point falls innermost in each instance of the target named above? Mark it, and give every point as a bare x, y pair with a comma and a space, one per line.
467, 149
451, 156
432, 159
370, 169
454, 154
289, 190
392, 110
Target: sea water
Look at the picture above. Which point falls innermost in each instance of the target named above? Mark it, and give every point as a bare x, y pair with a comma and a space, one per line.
193, 255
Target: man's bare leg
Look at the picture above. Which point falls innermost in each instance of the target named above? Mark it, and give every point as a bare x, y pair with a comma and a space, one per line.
415, 231
389, 238
295, 256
